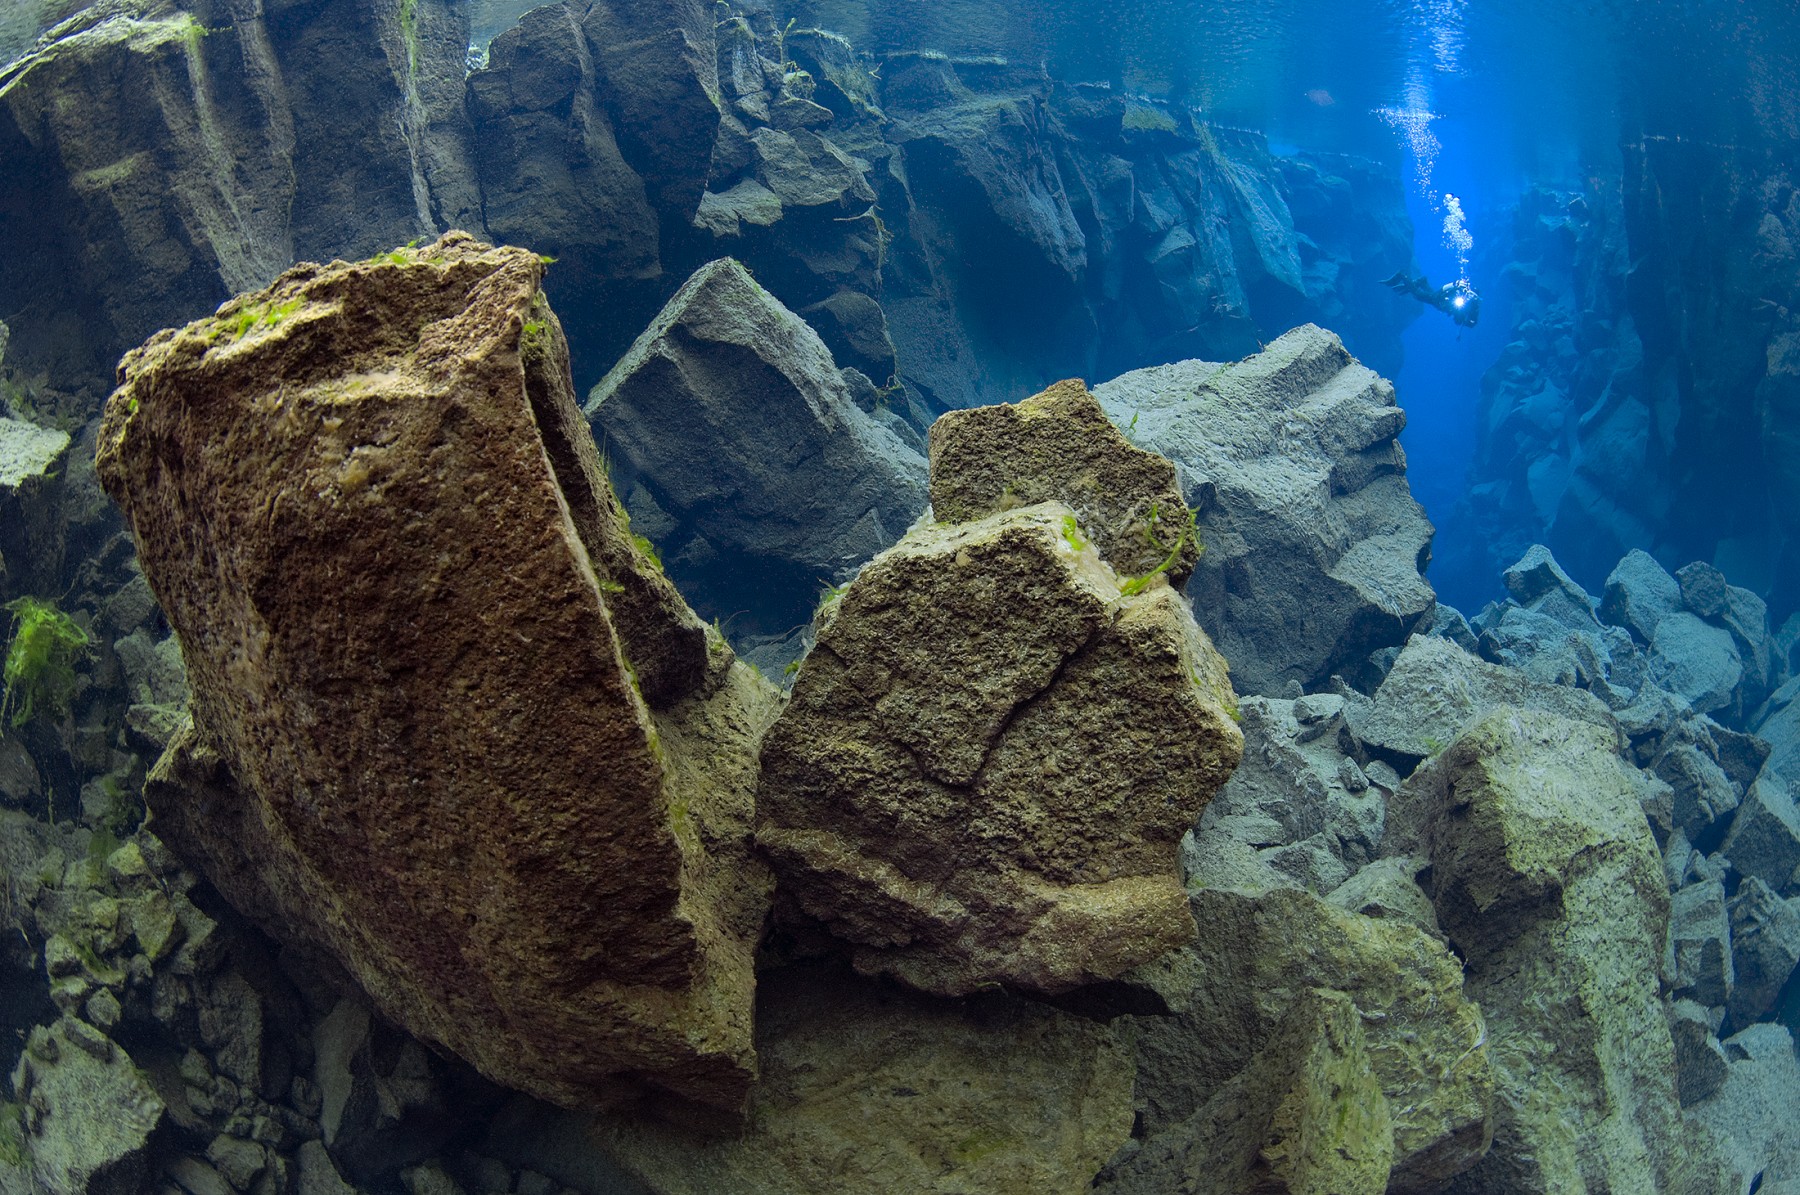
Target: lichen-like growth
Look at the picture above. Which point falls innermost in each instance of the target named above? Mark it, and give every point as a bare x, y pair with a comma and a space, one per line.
40, 662
1132, 586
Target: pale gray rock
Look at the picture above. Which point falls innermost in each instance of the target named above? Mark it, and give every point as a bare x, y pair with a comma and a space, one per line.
1540, 585
1752, 1113
1697, 661
1292, 796
1764, 839
1765, 945
1547, 881
730, 411
1697, 963
93, 1113
1435, 690
1638, 593
27, 451
1313, 540
1701, 1063
1389, 889
1702, 794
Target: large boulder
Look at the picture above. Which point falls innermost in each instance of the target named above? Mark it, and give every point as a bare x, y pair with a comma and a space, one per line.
1548, 882
1257, 955
990, 757
1314, 544
731, 416
451, 727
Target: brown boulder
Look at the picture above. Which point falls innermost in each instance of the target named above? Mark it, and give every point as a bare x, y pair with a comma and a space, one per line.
1059, 445
451, 726
990, 757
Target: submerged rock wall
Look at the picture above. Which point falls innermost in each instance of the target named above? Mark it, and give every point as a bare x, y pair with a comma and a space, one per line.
164, 156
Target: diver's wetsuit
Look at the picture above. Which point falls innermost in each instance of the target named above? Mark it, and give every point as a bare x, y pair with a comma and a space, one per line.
1457, 300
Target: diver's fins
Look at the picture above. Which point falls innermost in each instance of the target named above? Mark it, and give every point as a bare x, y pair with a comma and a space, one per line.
1399, 281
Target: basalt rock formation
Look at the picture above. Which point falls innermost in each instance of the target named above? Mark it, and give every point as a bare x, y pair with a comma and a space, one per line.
451, 727
1314, 544
998, 739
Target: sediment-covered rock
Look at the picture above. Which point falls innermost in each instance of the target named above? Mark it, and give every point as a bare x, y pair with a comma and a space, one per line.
990, 756
866, 1091
1547, 880
91, 1112
1313, 541
1256, 956
447, 717
730, 410
1307, 1115
1058, 446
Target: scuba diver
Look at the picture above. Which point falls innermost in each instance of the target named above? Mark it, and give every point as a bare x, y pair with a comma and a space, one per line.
1457, 300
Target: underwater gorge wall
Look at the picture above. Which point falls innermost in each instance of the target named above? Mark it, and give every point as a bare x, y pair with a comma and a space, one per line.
191, 152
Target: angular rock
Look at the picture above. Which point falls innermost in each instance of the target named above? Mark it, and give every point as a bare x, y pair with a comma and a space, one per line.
1697, 964
1698, 662
472, 775
27, 450
552, 172
1547, 880
93, 1113
1306, 1115
1702, 589
1764, 839
1765, 946
1388, 889
1435, 689
1313, 541
1701, 1064
1703, 796
1540, 585
1639, 592
989, 758
730, 411
866, 1091
1752, 1113
1058, 445
1255, 957
1293, 787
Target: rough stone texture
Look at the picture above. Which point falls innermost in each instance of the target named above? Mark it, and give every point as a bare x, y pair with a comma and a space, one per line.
1547, 881
1753, 1111
1764, 839
164, 164
1701, 1063
1313, 541
729, 410
1307, 1115
869, 1091
317, 479
1058, 446
1639, 592
1699, 662
989, 757
1309, 811
1257, 953
94, 1109
1765, 945
27, 450
1697, 963
1435, 689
